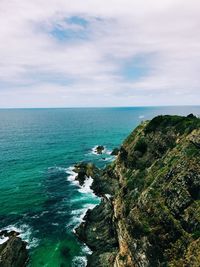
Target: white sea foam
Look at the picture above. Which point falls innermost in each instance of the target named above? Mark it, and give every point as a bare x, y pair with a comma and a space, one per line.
25, 232
55, 224
86, 250
107, 151
74, 222
110, 159
86, 208
141, 117
71, 175
79, 261
35, 216
108, 196
61, 212
79, 214
57, 168
86, 187
3, 239
94, 150
44, 212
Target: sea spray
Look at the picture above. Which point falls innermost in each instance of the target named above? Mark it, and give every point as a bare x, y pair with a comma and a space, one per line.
105, 151
79, 214
25, 232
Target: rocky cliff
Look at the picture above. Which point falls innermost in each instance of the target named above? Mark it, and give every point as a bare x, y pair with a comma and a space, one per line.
13, 252
150, 209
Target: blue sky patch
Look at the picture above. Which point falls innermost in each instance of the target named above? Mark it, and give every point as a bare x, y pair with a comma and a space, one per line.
136, 68
62, 33
78, 21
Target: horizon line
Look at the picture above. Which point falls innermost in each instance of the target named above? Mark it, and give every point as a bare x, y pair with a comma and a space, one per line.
101, 107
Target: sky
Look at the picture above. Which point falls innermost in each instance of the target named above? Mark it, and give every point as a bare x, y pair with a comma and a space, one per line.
96, 53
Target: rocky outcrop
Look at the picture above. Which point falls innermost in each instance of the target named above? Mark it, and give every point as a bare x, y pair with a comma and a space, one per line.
84, 170
115, 152
149, 215
13, 252
99, 149
98, 232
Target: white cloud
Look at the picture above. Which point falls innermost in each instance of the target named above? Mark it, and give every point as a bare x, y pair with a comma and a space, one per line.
37, 69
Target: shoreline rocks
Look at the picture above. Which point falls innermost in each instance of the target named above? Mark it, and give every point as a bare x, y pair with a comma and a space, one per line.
13, 252
99, 149
98, 232
115, 152
84, 170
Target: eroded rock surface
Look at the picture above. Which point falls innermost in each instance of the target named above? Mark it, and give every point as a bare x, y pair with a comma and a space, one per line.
150, 212
13, 252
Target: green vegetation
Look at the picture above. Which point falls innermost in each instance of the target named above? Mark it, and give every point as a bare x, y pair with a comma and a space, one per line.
141, 145
196, 234
178, 123
162, 181
155, 187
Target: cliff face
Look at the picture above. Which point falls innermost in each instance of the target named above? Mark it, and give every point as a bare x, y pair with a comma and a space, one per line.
153, 215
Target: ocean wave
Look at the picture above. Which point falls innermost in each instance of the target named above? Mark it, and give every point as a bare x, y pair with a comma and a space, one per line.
107, 151
79, 214
109, 159
3, 239
94, 150
56, 168
79, 261
71, 175
86, 187
55, 224
86, 250
25, 232
86, 208
75, 221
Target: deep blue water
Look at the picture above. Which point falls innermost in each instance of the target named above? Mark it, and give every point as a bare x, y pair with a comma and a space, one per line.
37, 146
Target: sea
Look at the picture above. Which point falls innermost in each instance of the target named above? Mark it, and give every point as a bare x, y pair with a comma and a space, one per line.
38, 194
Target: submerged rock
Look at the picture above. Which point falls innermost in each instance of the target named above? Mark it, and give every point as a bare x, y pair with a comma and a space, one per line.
13, 252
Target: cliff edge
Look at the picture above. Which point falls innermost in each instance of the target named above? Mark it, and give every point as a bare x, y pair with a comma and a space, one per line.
150, 209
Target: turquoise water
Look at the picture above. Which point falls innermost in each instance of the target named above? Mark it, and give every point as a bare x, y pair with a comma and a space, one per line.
37, 147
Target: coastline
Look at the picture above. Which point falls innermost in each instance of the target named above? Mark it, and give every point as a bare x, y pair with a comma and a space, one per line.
84, 189
150, 186
84, 176
155, 176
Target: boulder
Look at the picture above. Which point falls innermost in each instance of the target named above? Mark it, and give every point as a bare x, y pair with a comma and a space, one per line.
99, 149
115, 152
13, 252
